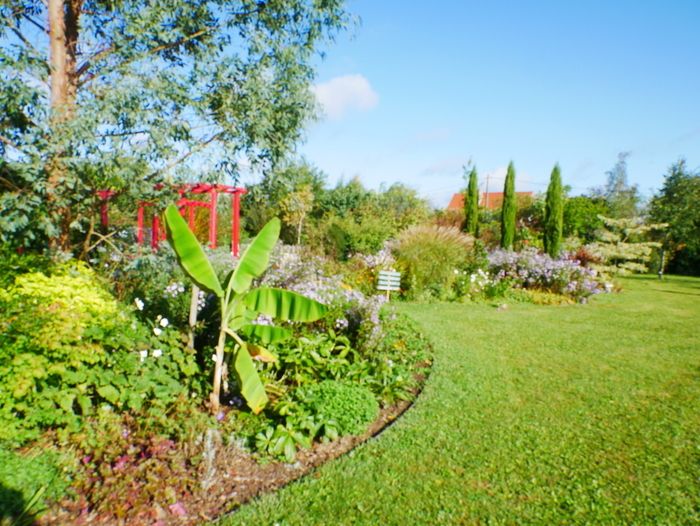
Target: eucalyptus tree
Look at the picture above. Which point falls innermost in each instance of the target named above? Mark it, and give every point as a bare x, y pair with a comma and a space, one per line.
123, 95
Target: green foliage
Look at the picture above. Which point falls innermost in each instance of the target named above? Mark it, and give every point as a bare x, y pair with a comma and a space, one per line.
190, 254
508, 210
295, 208
471, 203
554, 214
428, 256
66, 347
350, 407
13, 264
24, 475
353, 220
157, 93
677, 204
582, 217
238, 304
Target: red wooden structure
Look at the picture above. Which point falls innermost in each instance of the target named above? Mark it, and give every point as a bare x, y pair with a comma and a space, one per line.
187, 209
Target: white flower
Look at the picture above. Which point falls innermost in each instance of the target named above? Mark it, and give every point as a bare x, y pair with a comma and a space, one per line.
144, 355
139, 304
164, 322
157, 353
157, 331
213, 357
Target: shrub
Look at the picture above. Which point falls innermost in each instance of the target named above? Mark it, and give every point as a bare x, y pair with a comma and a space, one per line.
351, 407
66, 346
531, 270
429, 256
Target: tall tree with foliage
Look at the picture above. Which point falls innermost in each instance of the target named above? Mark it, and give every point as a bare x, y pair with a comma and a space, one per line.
125, 95
509, 210
471, 203
554, 214
677, 204
621, 197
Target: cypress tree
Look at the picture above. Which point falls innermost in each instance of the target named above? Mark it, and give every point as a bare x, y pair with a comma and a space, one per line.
554, 214
508, 209
472, 203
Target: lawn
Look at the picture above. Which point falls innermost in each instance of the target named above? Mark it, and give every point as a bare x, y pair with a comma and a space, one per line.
580, 414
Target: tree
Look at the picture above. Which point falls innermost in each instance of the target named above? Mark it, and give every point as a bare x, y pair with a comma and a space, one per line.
554, 214
621, 197
677, 204
509, 209
471, 203
141, 93
582, 216
623, 246
295, 207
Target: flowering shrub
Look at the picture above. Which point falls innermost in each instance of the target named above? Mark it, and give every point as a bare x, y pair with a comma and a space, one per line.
350, 311
529, 269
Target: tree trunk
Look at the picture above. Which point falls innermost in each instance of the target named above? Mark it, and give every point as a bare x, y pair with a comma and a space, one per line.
63, 43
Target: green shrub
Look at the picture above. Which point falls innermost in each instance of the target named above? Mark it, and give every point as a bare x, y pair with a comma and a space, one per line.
351, 407
429, 257
66, 347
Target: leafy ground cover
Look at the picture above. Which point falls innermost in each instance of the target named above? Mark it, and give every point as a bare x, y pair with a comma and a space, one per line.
532, 415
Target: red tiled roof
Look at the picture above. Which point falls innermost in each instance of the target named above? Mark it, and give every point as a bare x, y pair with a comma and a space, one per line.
492, 200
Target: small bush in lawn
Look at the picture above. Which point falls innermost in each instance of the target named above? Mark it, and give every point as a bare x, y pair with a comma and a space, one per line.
429, 256
350, 407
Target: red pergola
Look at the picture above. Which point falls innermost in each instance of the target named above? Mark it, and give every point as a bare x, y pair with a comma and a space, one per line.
187, 209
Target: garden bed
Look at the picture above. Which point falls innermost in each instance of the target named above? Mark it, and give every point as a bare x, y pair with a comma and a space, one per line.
227, 476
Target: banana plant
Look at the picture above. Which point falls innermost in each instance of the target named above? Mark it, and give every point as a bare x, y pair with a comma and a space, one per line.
240, 305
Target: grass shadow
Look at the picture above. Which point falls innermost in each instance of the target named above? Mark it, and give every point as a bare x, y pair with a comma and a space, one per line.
15, 510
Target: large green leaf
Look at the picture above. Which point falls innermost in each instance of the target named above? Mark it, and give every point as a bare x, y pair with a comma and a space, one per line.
255, 259
192, 258
284, 304
265, 333
252, 388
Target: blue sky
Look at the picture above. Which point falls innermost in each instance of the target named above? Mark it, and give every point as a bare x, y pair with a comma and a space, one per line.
417, 89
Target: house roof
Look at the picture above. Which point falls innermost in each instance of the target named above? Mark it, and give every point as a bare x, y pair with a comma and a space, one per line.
490, 200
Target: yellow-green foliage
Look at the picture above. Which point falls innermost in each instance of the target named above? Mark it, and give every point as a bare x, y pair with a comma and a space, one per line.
428, 256
51, 333
56, 310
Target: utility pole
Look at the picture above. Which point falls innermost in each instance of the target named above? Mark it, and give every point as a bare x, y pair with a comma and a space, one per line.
486, 194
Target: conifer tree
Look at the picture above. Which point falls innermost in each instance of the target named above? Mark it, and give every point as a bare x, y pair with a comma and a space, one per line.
554, 214
471, 207
509, 209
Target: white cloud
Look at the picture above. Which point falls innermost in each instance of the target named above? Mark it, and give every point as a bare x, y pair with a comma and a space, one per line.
342, 94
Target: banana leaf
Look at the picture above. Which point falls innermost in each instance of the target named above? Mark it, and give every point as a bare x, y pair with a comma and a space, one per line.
265, 333
252, 388
189, 252
284, 304
255, 259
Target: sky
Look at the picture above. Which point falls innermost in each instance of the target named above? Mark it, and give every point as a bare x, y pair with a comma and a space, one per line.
416, 90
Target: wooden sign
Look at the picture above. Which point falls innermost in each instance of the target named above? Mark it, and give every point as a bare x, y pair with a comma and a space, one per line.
389, 280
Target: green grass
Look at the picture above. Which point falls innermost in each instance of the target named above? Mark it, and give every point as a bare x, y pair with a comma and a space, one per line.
585, 414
